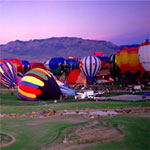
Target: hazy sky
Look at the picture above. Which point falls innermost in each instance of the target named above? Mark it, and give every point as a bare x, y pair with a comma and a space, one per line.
121, 22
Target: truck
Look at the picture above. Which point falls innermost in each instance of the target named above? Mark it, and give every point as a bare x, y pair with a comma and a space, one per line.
88, 94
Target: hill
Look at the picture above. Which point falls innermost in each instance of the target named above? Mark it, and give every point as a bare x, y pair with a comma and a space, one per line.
43, 49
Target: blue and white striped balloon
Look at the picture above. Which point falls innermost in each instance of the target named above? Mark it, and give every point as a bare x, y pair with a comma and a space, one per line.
90, 65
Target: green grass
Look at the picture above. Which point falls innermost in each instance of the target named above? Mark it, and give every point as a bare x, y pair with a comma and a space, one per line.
137, 132
12, 104
42, 135
48, 130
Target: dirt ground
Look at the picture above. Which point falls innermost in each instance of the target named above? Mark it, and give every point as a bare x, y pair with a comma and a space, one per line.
127, 97
86, 135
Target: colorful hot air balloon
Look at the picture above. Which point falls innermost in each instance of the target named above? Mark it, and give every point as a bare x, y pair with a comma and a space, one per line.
25, 66
38, 84
90, 65
71, 65
8, 74
56, 65
128, 61
16, 62
144, 55
76, 77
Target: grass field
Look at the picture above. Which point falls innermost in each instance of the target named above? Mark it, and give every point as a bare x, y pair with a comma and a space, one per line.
48, 133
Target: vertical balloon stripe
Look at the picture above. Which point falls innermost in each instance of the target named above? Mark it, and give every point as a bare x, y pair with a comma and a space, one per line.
91, 63
6, 73
14, 72
95, 69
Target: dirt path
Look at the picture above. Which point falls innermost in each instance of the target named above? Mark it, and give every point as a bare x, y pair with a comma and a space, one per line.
13, 139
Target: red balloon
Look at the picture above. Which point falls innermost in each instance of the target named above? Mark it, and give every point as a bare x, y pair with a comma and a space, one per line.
76, 76
97, 54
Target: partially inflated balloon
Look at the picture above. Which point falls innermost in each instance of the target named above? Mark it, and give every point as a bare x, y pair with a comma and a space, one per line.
38, 84
90, 65
76, 77
8, 74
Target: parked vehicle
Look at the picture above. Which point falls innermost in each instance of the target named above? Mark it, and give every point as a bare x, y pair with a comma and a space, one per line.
88, 94
84, 95
99, 97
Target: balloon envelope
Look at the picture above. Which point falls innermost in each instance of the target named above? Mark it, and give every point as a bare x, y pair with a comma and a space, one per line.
56, 65
37, 65
106, 62
128, 61
144, 55
64, 89
97, 54
25, 66
90, 65
38, 84
76, 77
72, 64
8, 74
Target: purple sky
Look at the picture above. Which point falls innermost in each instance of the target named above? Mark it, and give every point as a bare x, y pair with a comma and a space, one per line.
121, 22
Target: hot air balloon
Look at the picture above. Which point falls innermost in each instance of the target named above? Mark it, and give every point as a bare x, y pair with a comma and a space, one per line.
25, 66
57, 65
71, 65
8, 74
38, 84
37, 65
128, 61
70, 57
76, 77
90, 65
16, 62
144, 55
106, 62
115, 71
97, 54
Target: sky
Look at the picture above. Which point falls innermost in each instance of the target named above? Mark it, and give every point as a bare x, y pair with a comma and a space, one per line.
120, 22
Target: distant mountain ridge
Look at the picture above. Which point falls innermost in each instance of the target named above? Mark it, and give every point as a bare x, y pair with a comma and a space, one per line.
43, 49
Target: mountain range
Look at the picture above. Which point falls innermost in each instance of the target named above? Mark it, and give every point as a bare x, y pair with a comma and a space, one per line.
41, 50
